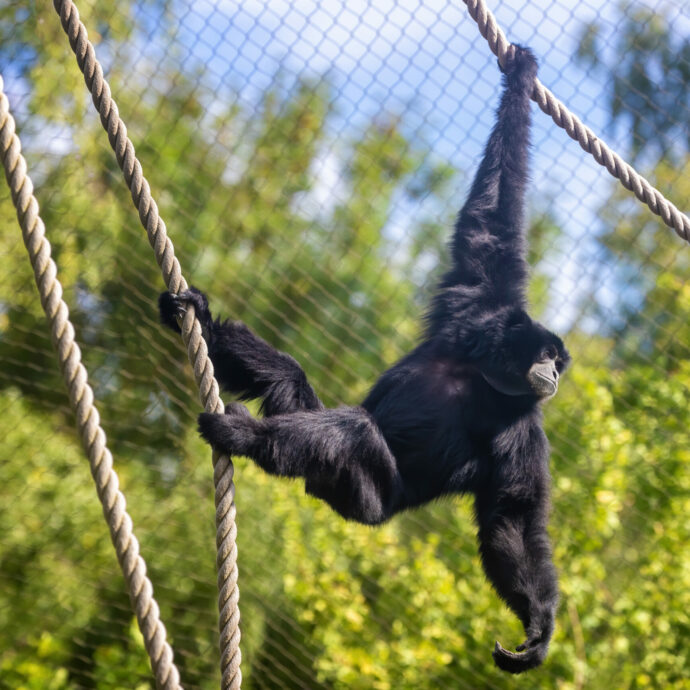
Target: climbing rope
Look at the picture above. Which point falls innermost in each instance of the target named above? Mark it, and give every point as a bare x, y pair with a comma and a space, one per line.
602, 153
226, 531
81, 399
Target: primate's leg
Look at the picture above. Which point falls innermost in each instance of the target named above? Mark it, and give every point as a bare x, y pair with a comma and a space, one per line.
341, 453
245, 364
516, 555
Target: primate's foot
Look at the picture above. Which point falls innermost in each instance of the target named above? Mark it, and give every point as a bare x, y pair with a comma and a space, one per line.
232, 432
172, 307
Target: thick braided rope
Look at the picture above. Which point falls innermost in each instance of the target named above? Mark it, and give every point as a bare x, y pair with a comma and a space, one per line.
226, 531
81, 399
602, 153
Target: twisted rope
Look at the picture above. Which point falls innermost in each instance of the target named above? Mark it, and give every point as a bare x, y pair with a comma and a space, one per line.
81, 399
602, 153
226, 531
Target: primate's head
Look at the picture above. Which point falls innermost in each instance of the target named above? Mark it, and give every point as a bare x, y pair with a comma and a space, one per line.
526, 359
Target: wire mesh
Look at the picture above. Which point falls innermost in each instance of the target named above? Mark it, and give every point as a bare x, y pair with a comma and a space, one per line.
308, 159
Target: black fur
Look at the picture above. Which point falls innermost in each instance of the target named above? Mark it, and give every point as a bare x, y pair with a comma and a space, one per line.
456, 415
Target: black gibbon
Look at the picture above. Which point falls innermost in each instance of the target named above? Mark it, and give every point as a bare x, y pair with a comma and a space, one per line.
461, 413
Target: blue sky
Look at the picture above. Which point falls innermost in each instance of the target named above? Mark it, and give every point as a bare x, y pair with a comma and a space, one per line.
426, 61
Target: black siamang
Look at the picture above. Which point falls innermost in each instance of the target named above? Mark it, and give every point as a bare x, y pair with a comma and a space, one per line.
459, 414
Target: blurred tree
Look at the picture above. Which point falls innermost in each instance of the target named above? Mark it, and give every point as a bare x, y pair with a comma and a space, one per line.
650, 78
647, 66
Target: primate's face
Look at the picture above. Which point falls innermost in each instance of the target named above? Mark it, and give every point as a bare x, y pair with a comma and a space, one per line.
531, 360
545, 372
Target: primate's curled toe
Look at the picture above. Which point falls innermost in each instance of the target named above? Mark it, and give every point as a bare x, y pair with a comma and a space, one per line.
232, 432
520, 66
195, 297
173, 307
209, 425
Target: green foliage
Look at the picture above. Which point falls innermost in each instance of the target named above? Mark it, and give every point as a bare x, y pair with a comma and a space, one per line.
62, 601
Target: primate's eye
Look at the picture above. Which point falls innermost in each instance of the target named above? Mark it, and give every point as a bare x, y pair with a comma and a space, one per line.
550, 352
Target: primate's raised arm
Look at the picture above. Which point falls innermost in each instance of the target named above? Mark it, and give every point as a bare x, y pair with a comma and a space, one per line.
488, 247
498, 188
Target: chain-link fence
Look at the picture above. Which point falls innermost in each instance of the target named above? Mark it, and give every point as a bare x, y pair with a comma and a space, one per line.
308, 159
